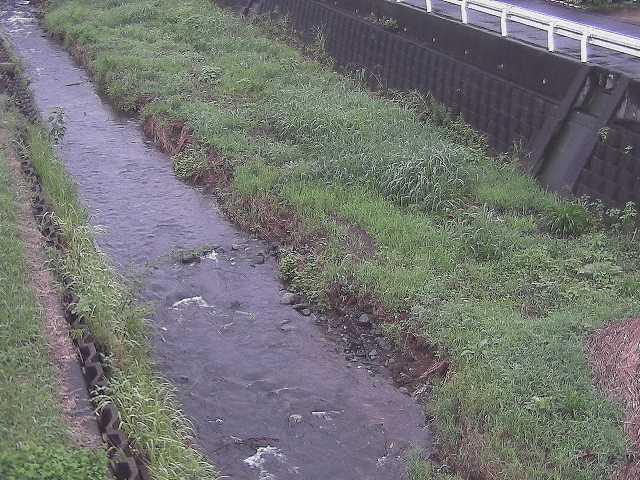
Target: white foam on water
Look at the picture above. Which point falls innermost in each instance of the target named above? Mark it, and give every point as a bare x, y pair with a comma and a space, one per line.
259, 459
195, 301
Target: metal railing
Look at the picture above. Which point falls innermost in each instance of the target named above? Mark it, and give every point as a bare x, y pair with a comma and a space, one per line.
554, 26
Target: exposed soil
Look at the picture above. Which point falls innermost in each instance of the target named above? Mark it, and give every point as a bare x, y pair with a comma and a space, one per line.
172, 138
68, 379
614, 354
359, 242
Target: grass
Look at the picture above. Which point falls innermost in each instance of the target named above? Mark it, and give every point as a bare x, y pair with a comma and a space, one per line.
35, 441
600, 4
420, 470
505, 278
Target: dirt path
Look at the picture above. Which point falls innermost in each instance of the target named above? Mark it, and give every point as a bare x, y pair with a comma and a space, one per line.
270, 394
614, 354
69, 381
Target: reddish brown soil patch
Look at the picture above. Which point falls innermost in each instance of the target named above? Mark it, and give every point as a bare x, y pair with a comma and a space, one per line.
358, 240
172, 137
614, 354
269, 219
220, 175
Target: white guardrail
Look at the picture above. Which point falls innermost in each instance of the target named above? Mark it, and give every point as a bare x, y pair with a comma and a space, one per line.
585, 34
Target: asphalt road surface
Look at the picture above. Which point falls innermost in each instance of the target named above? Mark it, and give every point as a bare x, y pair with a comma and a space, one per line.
623, 21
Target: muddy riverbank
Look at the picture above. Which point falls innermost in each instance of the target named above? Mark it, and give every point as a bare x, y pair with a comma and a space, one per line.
269, 393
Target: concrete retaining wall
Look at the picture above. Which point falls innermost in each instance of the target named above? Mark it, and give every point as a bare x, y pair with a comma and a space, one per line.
612, 171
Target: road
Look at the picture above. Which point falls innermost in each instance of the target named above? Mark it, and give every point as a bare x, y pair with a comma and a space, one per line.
623, 21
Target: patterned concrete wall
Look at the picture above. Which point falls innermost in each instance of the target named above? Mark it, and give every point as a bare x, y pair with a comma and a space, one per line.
504, 89
612, 172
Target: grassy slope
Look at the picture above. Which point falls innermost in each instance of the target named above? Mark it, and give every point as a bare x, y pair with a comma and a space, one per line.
34, 440
460, 239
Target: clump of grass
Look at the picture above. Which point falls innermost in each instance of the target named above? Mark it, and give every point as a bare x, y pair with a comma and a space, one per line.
423, 470
301, 273
192, 165
485, 236
567, 219
457, 234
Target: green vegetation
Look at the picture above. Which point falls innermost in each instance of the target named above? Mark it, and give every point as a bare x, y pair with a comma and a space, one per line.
419, 470
35, 442
600, 4
505, 278
52, 463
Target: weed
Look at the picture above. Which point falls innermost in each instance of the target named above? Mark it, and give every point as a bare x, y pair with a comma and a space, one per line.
57, 126
568, 219
210, 74
623, 220
318, 47
482, 234
51, 463
35, 442
419, 469
301, 274
388, 23
191, 164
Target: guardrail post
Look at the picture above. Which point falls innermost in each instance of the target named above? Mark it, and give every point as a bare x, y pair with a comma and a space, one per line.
584, 46
463, 12
551, 39
503, 22
429, 6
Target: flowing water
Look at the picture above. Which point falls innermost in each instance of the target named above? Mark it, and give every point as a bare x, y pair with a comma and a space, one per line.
270, 395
